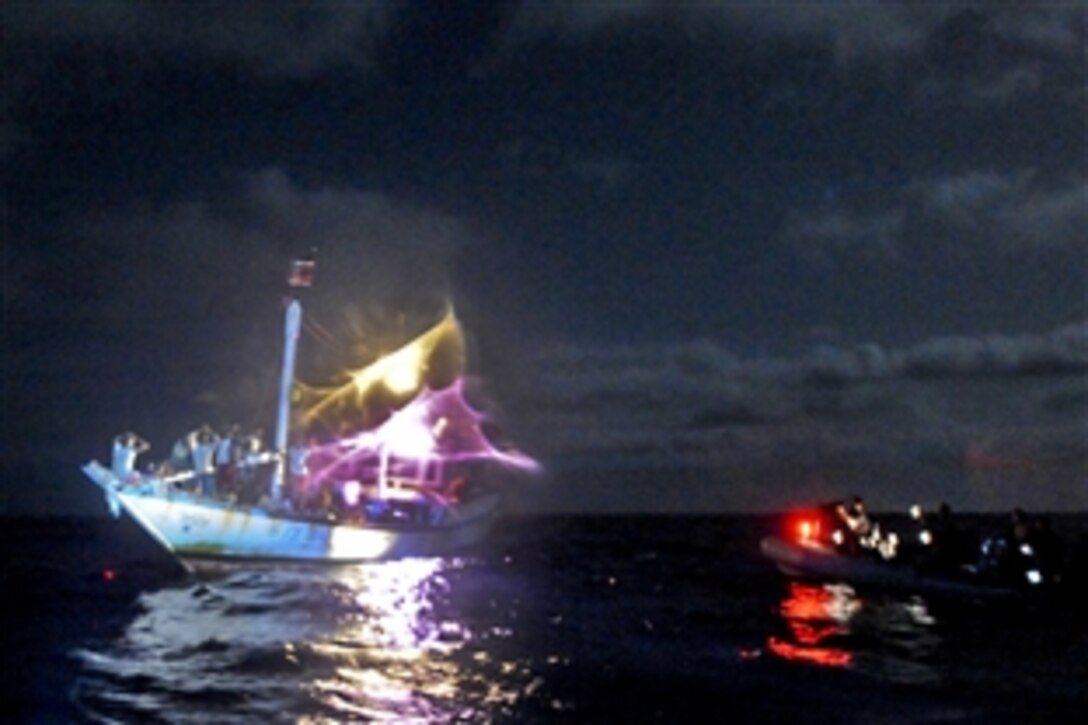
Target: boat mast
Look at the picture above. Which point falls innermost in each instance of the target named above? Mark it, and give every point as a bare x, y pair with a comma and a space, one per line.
302, 271
287, 376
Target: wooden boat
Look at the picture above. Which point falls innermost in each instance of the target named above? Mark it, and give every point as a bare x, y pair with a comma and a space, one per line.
394, 491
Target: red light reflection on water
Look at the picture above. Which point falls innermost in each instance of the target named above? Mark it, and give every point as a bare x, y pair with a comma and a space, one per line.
814, 614
826, 656
805, 611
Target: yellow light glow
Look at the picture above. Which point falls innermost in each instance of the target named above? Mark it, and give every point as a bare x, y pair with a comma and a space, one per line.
400, 372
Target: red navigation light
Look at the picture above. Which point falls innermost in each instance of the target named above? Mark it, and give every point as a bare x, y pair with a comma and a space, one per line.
804, 527
109, 574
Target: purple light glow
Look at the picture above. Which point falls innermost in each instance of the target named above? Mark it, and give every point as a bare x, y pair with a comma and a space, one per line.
437, 425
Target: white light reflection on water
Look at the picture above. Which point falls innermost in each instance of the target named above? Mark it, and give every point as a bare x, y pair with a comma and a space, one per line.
388, 641
394, 649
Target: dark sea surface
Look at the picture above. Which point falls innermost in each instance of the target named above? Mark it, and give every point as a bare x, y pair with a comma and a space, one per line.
587, 619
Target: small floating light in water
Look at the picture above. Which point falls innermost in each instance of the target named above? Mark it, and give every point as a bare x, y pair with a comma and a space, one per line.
109, 574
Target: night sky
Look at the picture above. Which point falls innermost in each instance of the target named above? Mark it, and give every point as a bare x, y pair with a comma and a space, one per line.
708, 256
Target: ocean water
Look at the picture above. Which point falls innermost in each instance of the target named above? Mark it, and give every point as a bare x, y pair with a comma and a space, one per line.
556, 619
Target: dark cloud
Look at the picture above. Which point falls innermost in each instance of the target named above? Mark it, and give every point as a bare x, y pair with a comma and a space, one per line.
1011, 212
851, 32
967, 215
240, 237
176, 306
976, 421
986, 57
274, 38
825, 236
700, 407
609, 175
671, 196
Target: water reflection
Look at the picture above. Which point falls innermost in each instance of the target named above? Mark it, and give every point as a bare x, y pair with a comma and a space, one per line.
398, 649
815, 615
394, 640
894, 639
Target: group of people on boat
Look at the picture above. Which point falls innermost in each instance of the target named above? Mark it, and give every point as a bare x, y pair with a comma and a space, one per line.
1026, 551
236, 469
230, 466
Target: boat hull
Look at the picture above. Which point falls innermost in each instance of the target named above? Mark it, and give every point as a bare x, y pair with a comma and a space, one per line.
819, 564
195, 529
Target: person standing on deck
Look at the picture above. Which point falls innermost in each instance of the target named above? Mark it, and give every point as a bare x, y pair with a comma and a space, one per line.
859, 524
298, 472
249, 449
126, 447
203, 445
226, 472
